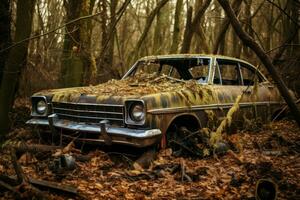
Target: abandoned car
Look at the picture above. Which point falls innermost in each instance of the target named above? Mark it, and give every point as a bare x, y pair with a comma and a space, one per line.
157, 97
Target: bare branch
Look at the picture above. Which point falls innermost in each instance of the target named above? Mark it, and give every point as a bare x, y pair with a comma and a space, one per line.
120, 13
51, 31
265, 59
284, 12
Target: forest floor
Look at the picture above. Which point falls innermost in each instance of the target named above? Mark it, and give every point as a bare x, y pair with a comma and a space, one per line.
270, 152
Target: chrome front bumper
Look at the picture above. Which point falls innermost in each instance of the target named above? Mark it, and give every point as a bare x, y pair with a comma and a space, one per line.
105, 133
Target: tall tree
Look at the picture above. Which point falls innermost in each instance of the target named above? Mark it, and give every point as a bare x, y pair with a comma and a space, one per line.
147, 27
76, 57
265, 59
160, 31
112, 31
225, 25
85, 32
191, 26
108, 24
291, 25
5, 39
187, 31
15, 62
176, 27
201, 39
248, 25
71, 66
202, 44
109, 35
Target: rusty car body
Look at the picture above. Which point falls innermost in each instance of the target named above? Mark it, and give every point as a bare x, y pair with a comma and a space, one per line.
157, 95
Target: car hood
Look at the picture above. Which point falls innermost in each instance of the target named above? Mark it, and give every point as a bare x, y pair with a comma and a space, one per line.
159, 91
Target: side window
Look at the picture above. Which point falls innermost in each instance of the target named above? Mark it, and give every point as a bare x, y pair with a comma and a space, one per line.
230, 72
249, 75
199, 69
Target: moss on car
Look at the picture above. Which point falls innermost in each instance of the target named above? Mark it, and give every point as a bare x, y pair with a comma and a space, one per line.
156, 93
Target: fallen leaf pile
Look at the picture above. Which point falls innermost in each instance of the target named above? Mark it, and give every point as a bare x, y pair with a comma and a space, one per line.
271, 153
140, 84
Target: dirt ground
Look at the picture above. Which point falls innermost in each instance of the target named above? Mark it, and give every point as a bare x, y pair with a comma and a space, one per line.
271, 152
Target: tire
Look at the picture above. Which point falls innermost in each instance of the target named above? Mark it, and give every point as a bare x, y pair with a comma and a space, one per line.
183, 141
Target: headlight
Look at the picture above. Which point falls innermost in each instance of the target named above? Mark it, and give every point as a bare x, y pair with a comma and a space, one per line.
136, 112
41, 107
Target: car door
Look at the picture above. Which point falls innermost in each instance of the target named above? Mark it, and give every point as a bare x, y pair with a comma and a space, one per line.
232, 78
261, 93
228, 84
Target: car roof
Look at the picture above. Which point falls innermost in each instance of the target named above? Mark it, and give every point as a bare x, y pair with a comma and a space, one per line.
172, 56
183, 56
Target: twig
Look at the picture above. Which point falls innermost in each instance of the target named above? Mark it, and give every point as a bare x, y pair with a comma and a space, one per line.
183, 174
22, 179
257, 10
38, 194
112, 30
283, 11
281, 46
54, 185
17, 167
42, 183
35, 148
48, 32
190, 135
123, 156
282, 110
185, 147
236, 158
10, 188
256, 34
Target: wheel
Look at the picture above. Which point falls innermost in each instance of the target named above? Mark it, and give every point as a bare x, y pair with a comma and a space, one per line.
183, 142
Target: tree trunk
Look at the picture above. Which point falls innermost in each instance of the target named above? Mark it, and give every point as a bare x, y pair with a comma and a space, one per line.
187, 31
85, 34
294, 11
236, 5
192, 26
77, 58
269, 28
147, 27
71, 66
106, 58
109, 35
157, 39
202, 44
236, 45
15, 62
248, 27
265, 59
176, 28
104, 37
112, 31
5, 39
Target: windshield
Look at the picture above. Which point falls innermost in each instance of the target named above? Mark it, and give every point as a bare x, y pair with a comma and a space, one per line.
151, 67
179, 68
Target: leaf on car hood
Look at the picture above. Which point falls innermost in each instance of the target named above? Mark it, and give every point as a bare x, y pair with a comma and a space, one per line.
136, 86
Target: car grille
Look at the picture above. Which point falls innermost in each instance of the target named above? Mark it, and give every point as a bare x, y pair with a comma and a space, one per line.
90, 113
